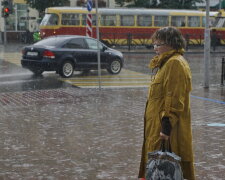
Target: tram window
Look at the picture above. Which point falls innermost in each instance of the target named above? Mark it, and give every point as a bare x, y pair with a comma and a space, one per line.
126, 20
211, 21
220, 23
193, 21
161, 21
144, 20
84, 19
108, 20
50, 20
178, 21
70, 19
215, 22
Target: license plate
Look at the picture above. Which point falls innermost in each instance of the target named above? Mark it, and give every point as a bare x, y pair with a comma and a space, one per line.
29, 53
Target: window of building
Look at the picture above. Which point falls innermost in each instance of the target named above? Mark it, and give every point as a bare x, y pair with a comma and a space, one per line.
17, 21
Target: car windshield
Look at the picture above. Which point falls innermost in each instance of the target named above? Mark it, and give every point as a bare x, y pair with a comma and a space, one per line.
51, 41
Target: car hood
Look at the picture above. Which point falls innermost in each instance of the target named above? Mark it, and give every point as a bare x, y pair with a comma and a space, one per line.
118, 53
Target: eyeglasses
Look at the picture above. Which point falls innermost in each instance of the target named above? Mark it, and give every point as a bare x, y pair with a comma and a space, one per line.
158, 45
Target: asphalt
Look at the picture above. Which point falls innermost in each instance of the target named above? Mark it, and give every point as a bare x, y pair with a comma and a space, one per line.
71, 133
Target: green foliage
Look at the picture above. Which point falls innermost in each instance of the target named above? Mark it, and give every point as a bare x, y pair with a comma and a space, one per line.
164, 4
41, 5
120, 2
178, 4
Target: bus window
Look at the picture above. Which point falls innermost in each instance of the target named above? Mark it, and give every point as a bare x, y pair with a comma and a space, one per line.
144, 20
178, 21
161, 21
108, 20
193, 21
70, 19
84, 19
50, 20
126, 20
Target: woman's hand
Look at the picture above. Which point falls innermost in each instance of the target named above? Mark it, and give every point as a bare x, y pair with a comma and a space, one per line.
163, 136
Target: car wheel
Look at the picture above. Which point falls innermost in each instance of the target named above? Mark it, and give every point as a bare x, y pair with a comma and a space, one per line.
114, 67
66, 70
37, 71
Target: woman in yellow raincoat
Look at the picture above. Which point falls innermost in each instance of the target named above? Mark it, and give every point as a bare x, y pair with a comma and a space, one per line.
167, 113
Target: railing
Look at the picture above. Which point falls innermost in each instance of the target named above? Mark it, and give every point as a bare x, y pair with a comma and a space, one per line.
144, 39
223, 71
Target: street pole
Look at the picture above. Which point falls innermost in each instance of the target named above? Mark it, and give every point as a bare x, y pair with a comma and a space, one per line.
98, 54
1, 40
5, 37
206, 47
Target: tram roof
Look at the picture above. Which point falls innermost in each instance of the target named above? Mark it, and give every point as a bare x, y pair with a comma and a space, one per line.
139, 11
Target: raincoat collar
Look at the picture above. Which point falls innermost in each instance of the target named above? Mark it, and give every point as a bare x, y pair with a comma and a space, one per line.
159, 60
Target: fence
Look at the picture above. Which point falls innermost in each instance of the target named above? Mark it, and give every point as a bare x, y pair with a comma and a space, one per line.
144, 39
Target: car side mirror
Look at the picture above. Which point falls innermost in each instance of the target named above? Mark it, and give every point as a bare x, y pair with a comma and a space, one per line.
104, 48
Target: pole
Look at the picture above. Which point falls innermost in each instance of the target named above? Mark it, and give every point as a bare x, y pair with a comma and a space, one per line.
5, 36
223, 71
206, 48
1, 40
98, 54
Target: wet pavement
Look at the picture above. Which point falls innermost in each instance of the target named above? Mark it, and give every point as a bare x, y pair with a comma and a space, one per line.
56, 131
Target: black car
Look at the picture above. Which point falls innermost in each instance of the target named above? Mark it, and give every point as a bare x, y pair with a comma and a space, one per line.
66, 53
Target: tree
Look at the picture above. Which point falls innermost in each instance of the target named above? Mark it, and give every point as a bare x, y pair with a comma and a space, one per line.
120, 2
83, 3
165, 4
41, 5
178, 4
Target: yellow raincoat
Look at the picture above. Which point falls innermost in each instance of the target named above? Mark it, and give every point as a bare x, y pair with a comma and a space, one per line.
169, 96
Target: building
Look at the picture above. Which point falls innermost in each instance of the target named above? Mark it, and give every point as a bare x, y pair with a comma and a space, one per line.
23, 18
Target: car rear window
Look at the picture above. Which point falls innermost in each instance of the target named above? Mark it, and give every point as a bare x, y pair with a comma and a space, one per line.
52, 41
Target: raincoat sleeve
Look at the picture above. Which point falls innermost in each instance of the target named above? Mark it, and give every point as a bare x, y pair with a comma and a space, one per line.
175, 87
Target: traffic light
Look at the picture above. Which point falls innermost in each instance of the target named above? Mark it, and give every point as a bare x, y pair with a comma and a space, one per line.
6, 8
5, 12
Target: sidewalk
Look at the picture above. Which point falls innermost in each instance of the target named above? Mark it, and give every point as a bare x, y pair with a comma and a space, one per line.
90, 134
70, 133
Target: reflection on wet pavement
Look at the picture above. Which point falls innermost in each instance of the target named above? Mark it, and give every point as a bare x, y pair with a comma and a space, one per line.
52, 130
73, 133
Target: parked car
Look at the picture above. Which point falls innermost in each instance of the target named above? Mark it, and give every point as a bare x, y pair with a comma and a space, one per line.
66, 53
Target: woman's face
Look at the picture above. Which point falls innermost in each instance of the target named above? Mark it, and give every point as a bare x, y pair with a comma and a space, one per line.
161, 47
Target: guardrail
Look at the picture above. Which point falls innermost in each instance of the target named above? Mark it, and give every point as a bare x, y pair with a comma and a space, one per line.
223, 71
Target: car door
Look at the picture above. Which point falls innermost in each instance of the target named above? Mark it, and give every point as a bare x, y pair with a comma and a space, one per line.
78, 48
93, 50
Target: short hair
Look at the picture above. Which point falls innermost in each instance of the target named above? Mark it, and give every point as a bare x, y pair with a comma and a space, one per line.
171, 36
